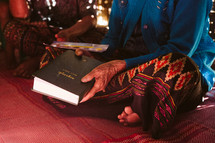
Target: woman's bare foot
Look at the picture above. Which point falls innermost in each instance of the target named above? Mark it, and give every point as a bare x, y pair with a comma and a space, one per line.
27, 68
128, 117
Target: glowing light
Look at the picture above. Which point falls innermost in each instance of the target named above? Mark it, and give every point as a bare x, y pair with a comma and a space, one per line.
100, 8
54, 3
88, 7
49, 18
90, 1
205, 98
80, 20
109, 10
101, 21
99, 12
103, 12
48, 3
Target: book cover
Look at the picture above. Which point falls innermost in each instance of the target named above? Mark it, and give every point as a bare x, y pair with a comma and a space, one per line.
84, 46
61, 78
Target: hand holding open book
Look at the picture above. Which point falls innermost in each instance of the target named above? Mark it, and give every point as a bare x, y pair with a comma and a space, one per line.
61, 78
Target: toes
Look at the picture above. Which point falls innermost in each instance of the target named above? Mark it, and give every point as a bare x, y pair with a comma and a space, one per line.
25, 74
17, 71
119, 117
128, 117
128, 110
123, 114
27, 68
123, 121
122, 118
20, 72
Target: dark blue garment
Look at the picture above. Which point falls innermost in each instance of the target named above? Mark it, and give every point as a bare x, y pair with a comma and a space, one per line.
135, 45
167, 26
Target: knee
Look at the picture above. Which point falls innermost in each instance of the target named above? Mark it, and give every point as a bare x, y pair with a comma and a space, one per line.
177, 55
187, 62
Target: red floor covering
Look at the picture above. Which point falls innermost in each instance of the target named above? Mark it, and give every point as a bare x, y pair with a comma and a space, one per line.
26, 118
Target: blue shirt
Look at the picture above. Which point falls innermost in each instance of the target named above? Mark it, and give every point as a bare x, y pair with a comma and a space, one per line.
167, 26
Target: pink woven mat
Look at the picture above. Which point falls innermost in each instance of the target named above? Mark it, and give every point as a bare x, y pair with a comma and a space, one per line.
25, 117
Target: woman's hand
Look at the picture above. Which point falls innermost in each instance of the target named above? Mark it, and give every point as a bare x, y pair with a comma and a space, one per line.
80, 52
62, 36
79, 28
102, 74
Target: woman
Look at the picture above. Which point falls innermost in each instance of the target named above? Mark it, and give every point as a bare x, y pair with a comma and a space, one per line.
37, 23
164, 56
161, 56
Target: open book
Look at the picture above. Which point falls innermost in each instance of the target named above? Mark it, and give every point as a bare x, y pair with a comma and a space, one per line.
85, 46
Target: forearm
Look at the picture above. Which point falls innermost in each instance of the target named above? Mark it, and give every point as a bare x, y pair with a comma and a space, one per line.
82, 26
19, 8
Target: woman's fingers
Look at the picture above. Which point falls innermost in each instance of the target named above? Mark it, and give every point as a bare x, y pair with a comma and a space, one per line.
59, 38
89, 95
79, 52
102, 74
98, 86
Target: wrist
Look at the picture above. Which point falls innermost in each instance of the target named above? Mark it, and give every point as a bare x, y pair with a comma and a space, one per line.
120, 65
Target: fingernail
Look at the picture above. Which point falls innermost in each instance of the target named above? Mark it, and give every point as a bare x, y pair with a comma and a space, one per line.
83, 80
78, 53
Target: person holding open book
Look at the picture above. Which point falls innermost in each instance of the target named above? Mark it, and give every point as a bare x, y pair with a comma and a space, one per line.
163, 56
38, 23
159, 56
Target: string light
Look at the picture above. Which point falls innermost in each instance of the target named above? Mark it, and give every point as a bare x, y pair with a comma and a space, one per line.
103, 12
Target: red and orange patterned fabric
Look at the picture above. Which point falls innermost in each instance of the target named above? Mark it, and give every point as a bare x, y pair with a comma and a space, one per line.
158, 89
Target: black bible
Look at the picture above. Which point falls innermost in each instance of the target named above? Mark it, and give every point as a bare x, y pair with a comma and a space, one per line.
61, 78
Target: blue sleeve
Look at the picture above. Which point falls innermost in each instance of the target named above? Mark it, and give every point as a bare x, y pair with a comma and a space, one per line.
186, 31
112, 37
